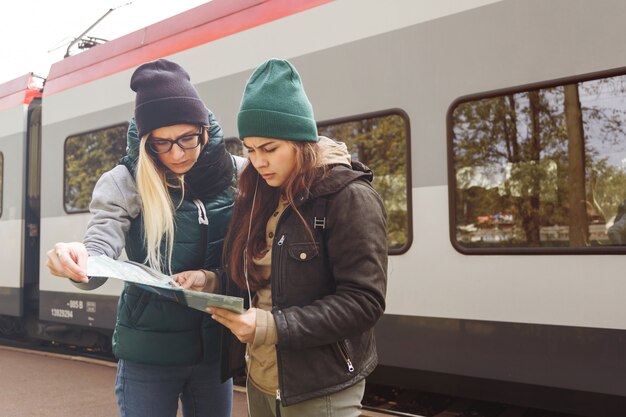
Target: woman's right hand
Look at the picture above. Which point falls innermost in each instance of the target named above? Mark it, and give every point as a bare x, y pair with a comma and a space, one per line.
191, 280
68, 260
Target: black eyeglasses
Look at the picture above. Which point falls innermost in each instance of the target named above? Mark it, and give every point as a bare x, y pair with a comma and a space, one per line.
186, 142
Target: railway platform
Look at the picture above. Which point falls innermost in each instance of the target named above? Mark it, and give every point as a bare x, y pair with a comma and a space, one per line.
36, 384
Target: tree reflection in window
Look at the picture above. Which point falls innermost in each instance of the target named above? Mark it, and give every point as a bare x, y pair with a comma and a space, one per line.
380, 142
541, 168
87, 157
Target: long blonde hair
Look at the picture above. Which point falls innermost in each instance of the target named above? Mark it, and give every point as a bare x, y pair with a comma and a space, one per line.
157, 207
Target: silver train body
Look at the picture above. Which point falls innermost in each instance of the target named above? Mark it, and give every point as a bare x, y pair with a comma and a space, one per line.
491, 325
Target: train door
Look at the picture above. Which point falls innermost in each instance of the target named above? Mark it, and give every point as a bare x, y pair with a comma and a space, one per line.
32, 187
19, 103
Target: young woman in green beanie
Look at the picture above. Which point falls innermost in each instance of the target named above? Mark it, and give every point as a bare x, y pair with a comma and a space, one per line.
176, 172
308, 242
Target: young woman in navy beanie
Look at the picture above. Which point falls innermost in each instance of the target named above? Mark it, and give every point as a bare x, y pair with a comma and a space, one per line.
308, 242
176, 172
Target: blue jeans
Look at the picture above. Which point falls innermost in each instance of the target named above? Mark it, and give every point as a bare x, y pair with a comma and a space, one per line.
153, 390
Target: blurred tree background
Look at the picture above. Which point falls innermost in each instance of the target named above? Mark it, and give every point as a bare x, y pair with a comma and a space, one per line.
87, 157
381, 144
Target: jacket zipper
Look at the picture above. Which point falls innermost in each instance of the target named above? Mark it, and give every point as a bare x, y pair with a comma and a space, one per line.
278, 402
279, 258
344, 352
276, 286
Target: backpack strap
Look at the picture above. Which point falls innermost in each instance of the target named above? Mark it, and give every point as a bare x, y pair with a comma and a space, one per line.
319, 213
319, 221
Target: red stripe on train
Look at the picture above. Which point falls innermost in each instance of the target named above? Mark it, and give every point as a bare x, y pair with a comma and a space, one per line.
203, 24
18, 92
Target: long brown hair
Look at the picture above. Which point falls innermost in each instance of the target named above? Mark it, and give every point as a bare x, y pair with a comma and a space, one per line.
304, 175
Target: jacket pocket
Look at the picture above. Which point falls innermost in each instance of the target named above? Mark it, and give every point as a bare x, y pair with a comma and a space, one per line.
303, 252
136, 302
303, 270
344, 355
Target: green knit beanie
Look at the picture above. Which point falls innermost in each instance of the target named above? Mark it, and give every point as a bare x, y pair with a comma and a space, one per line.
274, 105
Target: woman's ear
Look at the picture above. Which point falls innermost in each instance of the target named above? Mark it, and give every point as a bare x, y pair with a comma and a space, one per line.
205, 136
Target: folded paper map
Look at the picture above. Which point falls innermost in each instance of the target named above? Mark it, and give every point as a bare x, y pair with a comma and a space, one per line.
155, 281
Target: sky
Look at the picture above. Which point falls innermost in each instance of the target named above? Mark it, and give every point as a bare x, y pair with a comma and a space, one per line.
30, 30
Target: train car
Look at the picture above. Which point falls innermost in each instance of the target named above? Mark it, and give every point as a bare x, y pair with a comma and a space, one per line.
495, 130
20, 120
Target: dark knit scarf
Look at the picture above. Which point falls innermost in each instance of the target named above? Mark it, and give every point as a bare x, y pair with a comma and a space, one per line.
211, 174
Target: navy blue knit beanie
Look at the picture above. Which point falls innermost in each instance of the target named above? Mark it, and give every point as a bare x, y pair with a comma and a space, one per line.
165, 97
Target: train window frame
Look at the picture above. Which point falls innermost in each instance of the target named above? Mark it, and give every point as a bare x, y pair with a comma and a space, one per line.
452, 183
65, 178
409, 185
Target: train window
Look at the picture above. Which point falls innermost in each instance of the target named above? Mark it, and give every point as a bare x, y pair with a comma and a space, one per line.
234, 146
381, 141
87, 156
540, 169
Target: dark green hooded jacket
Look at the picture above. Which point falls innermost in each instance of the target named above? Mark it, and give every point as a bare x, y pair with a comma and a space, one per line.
150, 328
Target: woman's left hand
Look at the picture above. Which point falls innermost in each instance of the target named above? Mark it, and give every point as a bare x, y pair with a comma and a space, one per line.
243, 326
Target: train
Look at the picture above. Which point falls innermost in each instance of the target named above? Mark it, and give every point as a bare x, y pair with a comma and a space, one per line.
497, 135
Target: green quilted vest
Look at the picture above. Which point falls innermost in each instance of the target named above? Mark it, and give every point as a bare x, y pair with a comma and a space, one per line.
150, 328
155, 330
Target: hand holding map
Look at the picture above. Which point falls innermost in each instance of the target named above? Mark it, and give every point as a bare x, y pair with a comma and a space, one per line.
157, 282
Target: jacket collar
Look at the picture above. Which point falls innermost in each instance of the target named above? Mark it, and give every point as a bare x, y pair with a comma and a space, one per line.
336, 178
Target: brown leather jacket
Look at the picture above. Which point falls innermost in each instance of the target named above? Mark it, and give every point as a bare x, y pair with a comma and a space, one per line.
328, 295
